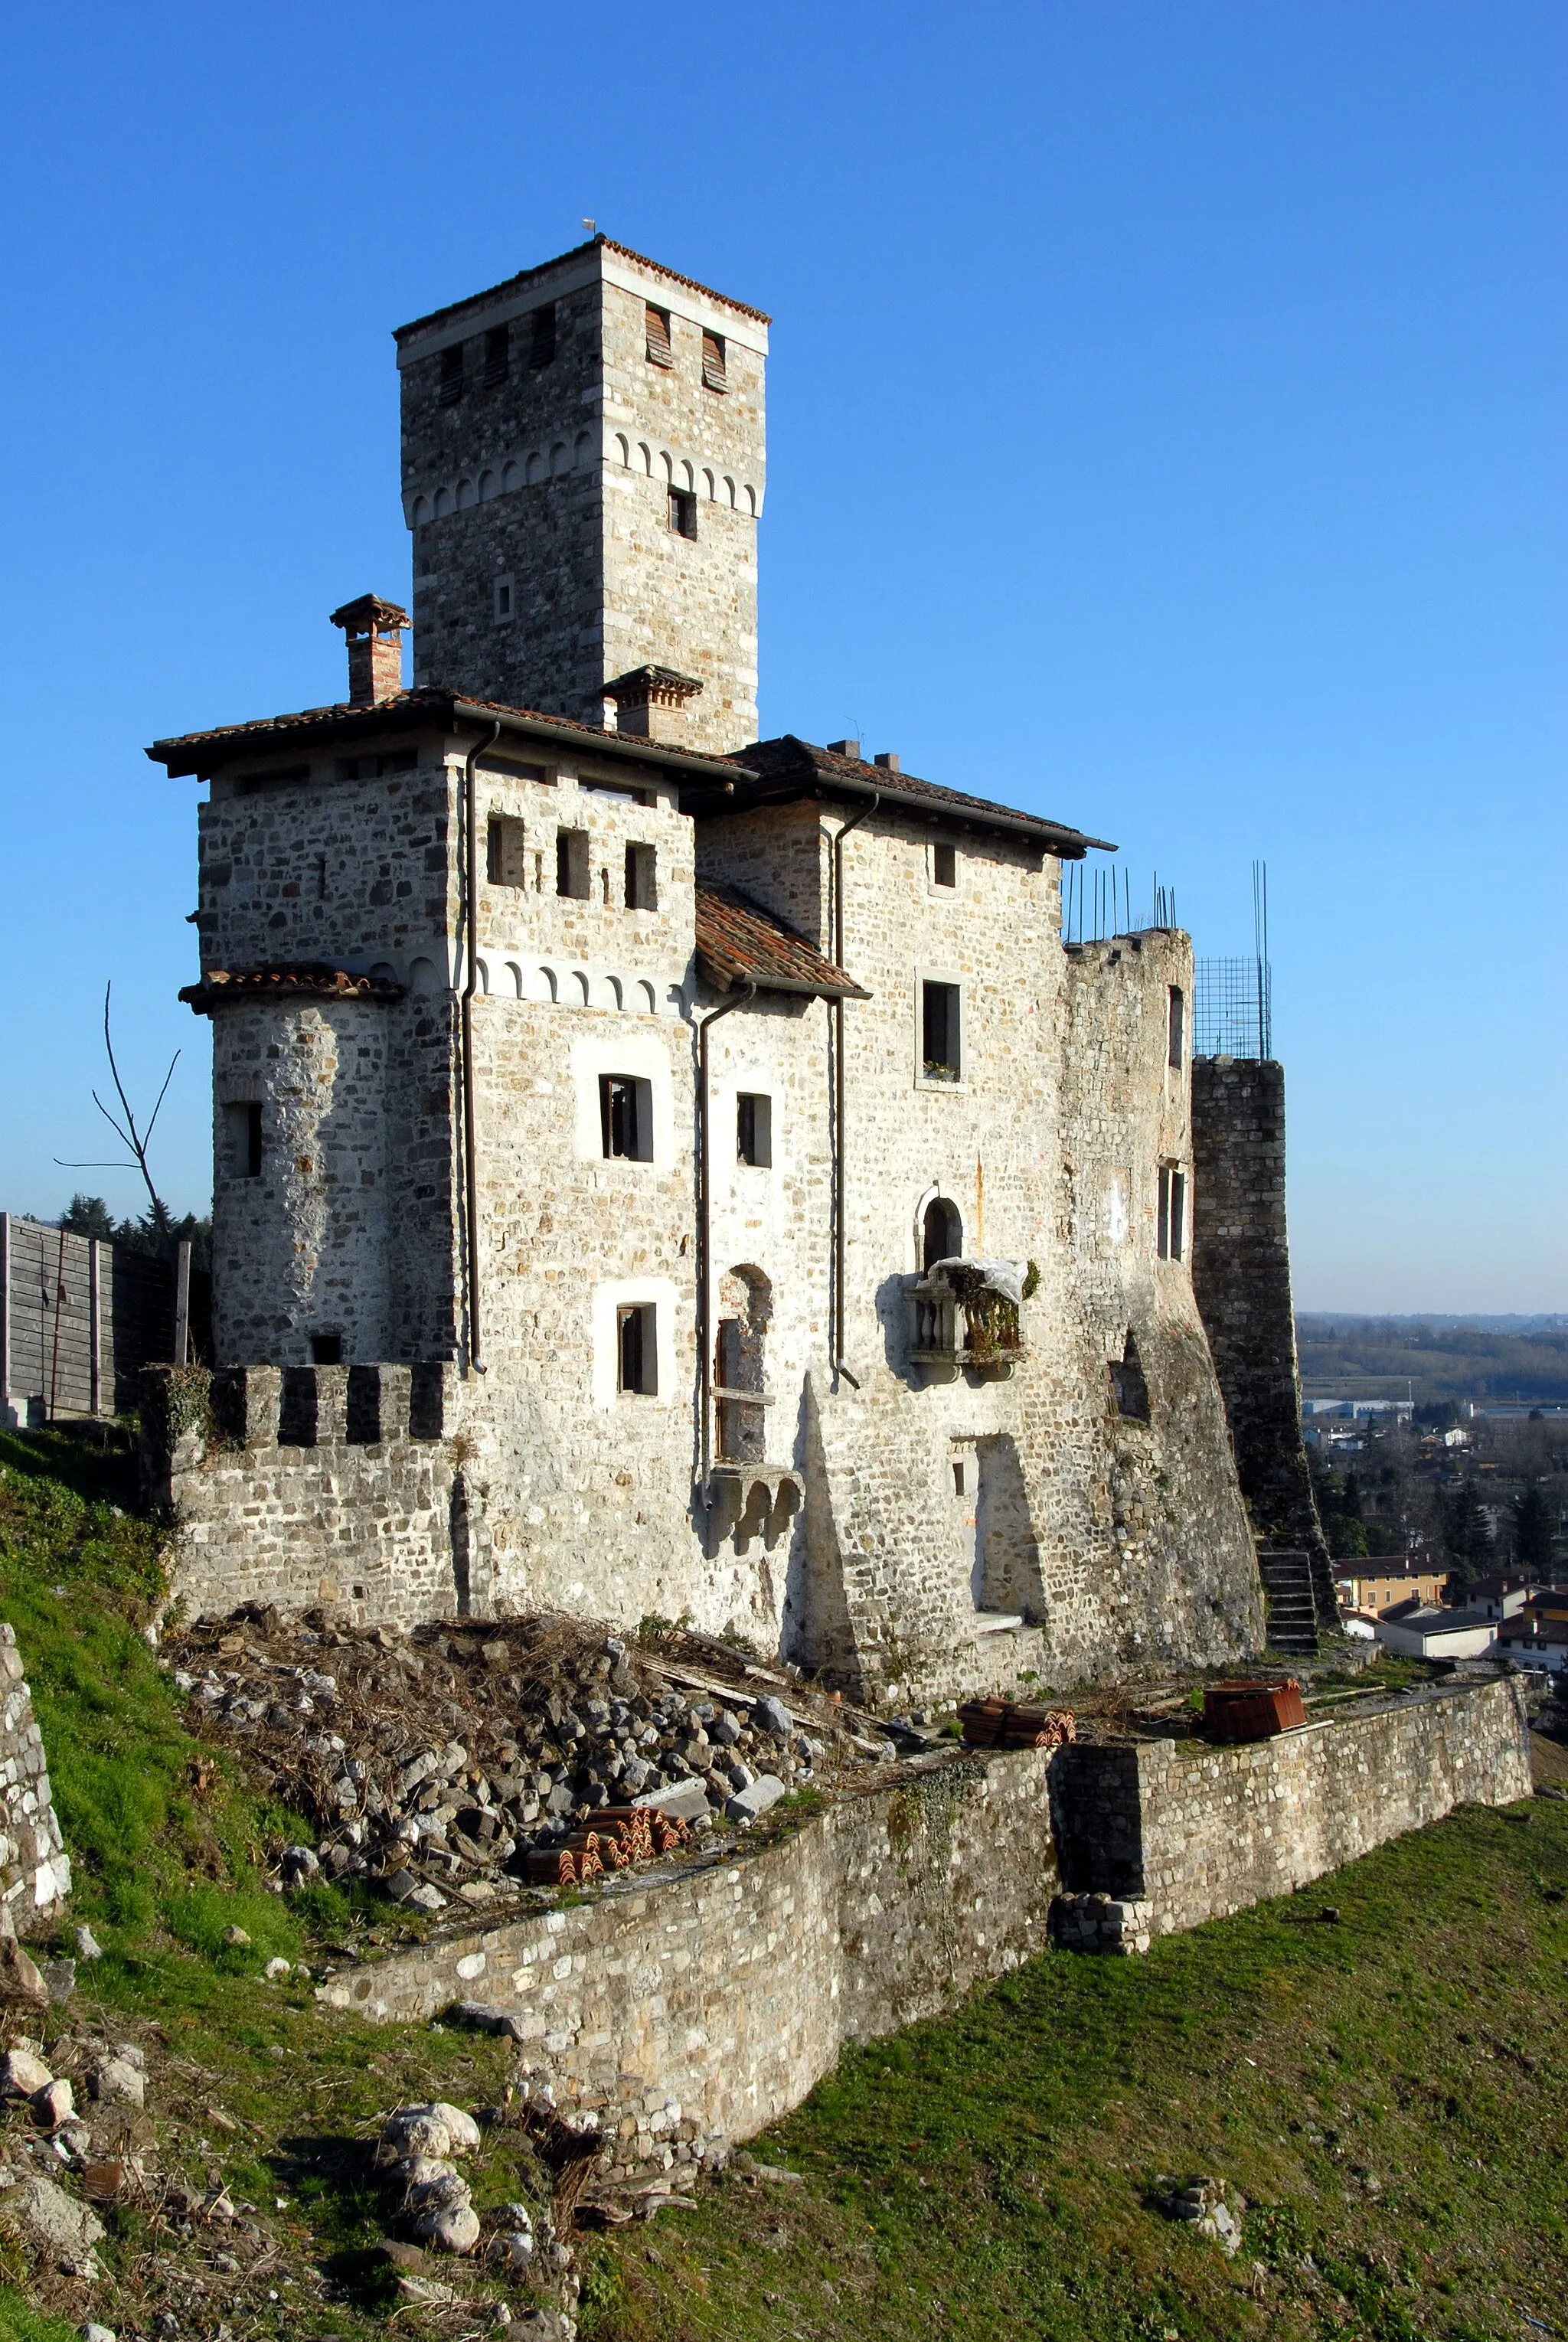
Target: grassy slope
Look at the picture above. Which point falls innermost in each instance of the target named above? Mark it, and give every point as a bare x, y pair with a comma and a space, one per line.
981, 2177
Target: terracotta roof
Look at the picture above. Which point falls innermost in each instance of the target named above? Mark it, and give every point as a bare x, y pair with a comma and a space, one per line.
510, 284
740, 942
196, 752
790, 768
316, 980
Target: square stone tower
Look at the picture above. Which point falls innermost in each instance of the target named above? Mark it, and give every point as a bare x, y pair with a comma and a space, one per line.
583, 471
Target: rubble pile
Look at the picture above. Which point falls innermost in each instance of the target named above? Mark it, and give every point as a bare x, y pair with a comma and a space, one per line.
467, 1761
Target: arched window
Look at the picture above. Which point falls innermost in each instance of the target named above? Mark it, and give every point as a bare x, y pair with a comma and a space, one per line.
942, 1232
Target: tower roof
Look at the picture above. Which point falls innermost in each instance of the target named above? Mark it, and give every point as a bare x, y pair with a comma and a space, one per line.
526, 276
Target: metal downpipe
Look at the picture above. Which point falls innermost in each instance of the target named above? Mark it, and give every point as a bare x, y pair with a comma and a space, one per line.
841, 1152
471, 986
705, 1230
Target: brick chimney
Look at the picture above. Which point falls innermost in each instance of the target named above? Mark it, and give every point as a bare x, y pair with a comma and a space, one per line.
374, 631
651, 703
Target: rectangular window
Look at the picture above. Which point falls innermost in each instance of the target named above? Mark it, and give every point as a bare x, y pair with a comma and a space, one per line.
941, 1048
1176, 1036
642, 878
571, 864
244, 1127
326, 1349
658, 333
627, 1118
542, 338
497, 353
451, 386
637, 1349
506, 862
1172, 1240
714, 363
754, 1130
682, 512
503, 599
944, 865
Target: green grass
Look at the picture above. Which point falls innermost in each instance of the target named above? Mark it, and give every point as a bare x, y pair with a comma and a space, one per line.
992, 2174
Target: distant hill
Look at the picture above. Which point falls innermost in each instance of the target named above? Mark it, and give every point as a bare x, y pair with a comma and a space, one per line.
1434, 1357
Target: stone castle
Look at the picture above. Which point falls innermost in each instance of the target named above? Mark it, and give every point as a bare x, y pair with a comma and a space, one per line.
662, 1172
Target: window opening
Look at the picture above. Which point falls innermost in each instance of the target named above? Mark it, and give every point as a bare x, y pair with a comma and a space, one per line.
684, 512
503, 597
642, 878
326, 1349
941, 1054
637, 1349
658, 333
1176, 1026
244, 1133
942, 1233
513, 769
713, 362
1173, 1212
958, 1480
754, 1130
745, 1298
397, 760
506, 862
498, 355
627, 1118
1129, 1386
542, 340
571, 864
944, 865
451, 386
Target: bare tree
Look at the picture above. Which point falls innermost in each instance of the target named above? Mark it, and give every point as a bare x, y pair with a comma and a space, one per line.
135, 1139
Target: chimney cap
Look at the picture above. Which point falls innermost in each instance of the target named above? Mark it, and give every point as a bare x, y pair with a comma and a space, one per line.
641, 683
888, 761
369, 615
850, 748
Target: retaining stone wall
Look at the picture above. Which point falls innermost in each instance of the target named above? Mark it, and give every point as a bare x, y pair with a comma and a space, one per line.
34, 1874
1196, 1830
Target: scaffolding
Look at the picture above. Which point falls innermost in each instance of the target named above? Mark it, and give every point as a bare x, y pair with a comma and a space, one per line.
1232, 1011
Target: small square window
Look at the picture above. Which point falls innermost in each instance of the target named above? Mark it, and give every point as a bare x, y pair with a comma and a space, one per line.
542, 338
682, 512
657, 326
243, 1130
944, 865
942, 1058
627, 1118
498, 355
637, 1349
1172, 1237
450, 388
642, 878
506, 602
326, 1349
571, 864
505, 861
714, 377
754, 1130
1175, 1026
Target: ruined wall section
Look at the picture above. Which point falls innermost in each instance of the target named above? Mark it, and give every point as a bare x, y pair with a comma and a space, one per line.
1242, 1277
34, 1871
1178, 1521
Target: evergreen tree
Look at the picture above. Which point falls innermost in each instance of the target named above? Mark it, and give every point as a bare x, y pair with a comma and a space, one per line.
1468, 1540
1532, 1531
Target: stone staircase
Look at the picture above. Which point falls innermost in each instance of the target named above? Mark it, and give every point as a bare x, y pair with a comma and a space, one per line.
1292, 1612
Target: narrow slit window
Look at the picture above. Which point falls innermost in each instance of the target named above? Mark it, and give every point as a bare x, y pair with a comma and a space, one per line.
542, 338
498, 355
504, 600
450, 388
684, 512
244, 1141
754, 1130
642, 878
944, 865
1173, 1212
941, 1044
713, 376
1175, 1026
626, 1119
658, 333
571, 876
637, 1349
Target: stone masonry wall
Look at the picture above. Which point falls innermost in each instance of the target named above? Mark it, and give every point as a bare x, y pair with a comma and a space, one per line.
1242, 1277
716, 1997
1197, 1830
34, 1874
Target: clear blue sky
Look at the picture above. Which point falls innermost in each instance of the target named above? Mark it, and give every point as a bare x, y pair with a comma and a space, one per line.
1166, 433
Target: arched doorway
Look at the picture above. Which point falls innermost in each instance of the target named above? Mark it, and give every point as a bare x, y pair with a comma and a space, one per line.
941, 1233
744, 1308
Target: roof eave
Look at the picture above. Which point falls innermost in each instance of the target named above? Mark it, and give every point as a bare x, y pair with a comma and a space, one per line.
808, 777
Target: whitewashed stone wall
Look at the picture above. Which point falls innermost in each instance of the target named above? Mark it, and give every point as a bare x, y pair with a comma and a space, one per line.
34, 1871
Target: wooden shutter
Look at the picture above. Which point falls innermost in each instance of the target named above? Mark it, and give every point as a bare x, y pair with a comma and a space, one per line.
658, 329
714, 363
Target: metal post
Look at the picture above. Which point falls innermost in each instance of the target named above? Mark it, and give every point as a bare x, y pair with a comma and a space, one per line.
182, 1304
94, 1326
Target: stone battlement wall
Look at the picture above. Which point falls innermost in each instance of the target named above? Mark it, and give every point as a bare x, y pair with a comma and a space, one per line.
35, 1874
704, 2003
